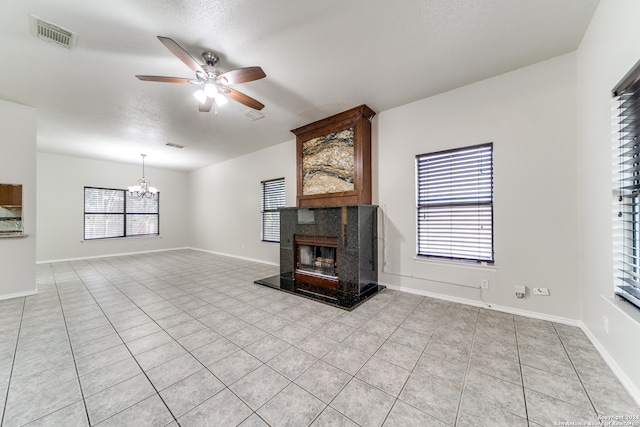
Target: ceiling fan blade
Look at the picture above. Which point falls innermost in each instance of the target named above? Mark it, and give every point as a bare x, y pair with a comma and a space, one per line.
243, 99
241, 75
182, 54
165, 79
206, 107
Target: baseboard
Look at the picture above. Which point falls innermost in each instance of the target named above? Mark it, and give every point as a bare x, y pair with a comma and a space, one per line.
475, 303
617, 370
159, 250
109, 255
261, 261
19, 294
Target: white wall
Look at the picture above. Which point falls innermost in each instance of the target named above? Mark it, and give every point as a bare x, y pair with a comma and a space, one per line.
529, 115
608, 50
61, 182
225, 206
17, 166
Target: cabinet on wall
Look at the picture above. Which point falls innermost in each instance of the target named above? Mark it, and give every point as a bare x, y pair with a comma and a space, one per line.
10, 196
10, 210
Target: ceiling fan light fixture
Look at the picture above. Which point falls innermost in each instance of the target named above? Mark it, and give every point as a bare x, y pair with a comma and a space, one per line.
200, 96
210, 79
210, 90
221, 100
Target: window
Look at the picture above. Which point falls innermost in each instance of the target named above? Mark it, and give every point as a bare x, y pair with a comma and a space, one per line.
627, 232
112, 213
272, 199
455, 204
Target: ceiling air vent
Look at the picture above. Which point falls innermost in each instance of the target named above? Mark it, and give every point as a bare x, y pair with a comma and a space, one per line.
252, 115
52, 33
171, 144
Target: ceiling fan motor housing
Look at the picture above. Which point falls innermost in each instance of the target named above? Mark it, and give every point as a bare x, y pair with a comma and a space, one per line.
210, 58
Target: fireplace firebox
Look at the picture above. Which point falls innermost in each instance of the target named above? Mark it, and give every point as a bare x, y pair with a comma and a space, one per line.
316, 260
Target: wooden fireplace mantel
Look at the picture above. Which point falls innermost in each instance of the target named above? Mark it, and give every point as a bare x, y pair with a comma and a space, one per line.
356, 179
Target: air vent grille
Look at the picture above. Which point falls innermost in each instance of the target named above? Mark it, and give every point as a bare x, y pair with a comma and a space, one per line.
52, 33
252, 115
171, 144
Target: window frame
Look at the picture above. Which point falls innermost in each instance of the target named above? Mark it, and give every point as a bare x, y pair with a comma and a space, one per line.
440, 198
269, 206
125, 214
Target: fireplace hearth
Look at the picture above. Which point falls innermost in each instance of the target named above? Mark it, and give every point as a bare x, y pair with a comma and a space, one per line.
328, 253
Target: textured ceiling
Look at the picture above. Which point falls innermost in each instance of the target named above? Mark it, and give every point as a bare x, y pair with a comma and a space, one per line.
320, 57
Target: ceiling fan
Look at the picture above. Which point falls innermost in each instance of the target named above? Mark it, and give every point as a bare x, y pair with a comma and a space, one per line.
212, 80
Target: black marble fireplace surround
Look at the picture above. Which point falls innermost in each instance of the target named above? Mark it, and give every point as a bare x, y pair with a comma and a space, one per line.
352, 229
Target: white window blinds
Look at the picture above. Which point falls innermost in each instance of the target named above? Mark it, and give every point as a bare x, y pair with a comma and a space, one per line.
455, 204
142, 215
627, 257
112, 213
103, 213
273, 197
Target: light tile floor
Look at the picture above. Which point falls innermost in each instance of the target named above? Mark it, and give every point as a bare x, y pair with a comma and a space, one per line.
185, 338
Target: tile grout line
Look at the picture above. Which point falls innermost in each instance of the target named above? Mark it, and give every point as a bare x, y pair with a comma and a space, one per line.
576, 371
13, 361
66, 327
466, 369
524, 390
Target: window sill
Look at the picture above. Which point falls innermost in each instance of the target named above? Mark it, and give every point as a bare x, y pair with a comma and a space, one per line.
121, 238
13, 235
629, 310
467, 265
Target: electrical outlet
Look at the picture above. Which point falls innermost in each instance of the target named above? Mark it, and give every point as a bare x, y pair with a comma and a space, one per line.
521, 291
605, 323
541, 291
484, 283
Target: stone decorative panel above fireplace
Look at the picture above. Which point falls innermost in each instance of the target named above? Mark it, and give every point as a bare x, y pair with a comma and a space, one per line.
333, 158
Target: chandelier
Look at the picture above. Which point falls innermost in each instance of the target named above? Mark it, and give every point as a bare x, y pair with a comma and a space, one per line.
143, 188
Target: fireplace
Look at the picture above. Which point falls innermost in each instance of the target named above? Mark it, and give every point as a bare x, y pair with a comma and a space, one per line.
328, 253
316, 260
329, 242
